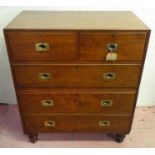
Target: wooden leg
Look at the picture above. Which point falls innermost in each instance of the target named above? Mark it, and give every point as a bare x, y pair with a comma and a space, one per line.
119, 137
33, 138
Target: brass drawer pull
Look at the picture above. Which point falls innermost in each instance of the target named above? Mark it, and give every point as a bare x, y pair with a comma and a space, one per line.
105, 103
109, 76
112, 47
42, 47
44, 76
47, 103
104, 123
49, 123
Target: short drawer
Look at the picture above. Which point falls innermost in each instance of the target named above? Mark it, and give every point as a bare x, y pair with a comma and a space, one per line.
49, 101
77, 75
65, 123
127, 46
42, 45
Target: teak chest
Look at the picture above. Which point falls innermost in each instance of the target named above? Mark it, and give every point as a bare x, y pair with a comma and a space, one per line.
77, 71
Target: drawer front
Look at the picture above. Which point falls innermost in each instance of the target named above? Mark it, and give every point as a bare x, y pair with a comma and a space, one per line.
126, 46
43, 45
78, 102
77, 75
64, 123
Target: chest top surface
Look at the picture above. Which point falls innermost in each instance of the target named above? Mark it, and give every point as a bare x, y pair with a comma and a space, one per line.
77, 20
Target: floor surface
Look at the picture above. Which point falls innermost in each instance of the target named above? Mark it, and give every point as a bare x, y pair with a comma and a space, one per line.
141, 135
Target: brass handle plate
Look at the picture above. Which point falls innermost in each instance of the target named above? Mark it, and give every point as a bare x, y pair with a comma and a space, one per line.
109, 76
49, 123
42, 47
111, 47
47, 103
44, 76
104, 123
106, 103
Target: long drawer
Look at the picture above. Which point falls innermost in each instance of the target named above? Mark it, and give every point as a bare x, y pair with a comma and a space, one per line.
77, 75
127, 45
78, 101
76, 123
42, 45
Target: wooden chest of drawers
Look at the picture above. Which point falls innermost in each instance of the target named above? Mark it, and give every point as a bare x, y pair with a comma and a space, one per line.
77, 71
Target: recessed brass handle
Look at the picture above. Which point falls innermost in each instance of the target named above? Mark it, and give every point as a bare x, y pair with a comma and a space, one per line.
109, 76
42, 47
111, 47
47, 103
44, 76
104, 123
49, 123
105, 103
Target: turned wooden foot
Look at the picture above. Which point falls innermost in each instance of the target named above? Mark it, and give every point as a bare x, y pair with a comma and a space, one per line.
119, 137
33, 138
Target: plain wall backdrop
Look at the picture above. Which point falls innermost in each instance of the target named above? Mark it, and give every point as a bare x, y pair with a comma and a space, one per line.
147, 14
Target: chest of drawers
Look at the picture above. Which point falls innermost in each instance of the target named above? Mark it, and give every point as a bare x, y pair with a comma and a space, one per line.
76, 71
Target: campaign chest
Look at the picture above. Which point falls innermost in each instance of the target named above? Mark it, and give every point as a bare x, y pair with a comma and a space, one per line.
76, 71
